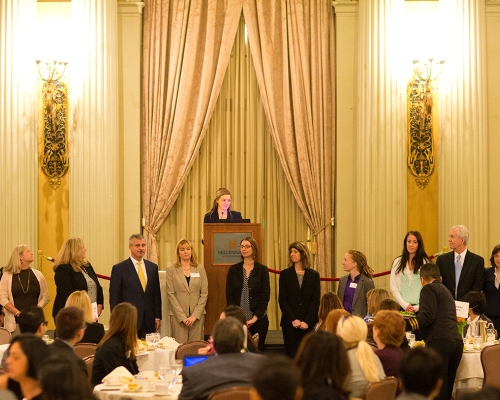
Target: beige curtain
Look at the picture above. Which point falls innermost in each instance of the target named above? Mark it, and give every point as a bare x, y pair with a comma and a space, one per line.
187, 44
238, 153
292, 44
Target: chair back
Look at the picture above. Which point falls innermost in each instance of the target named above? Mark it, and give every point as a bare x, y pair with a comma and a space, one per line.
89, 362
255, 339
489, 360
189, 348
233, 393
385, 389
4, 336
83, 350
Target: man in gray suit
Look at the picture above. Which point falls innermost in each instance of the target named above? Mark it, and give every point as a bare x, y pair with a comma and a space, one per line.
421, 373
229, 367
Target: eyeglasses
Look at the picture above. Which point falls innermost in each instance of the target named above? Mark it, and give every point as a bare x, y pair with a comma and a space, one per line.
245, 246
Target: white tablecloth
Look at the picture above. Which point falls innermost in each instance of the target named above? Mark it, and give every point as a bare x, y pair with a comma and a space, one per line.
104, 392
469, 372
153, 360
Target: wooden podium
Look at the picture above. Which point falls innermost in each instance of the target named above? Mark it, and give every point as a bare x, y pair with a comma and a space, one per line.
221, 250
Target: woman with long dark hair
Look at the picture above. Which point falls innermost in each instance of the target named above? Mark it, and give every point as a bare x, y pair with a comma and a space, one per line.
405, 276
492, 289
299, 297
119, 345
221, 208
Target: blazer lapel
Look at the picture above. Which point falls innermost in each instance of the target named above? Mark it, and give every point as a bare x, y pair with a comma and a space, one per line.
180, 275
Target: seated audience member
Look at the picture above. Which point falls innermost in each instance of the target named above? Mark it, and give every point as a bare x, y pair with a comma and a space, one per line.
70, 327
333, 319
374, 298
324, 365
329, 301
2, 316
277, 379
26, 355
389, 304
388, 333
229, 367
61, 378
477, 306
486, 393
32, 321
94, 331
365, 365
421, 374
118, 347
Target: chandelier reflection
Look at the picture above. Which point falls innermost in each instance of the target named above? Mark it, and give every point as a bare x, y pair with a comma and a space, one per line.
420, 95
55, 109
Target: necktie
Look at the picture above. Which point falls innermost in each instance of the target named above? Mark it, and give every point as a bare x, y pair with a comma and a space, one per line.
142, 278
458, 269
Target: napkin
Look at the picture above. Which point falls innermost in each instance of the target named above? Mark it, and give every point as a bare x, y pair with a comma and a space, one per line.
122, 372
169, 342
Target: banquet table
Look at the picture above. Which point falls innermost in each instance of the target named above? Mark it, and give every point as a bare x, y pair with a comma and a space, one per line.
104, 392
154, 359
470, 371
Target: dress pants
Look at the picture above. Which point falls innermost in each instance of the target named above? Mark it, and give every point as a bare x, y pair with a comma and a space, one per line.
451, 352
261, 327
292, 338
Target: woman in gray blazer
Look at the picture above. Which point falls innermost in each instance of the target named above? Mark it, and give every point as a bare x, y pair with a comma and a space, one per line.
187, 292
354, 286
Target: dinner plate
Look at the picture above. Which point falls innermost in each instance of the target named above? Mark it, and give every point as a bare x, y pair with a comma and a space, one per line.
113, 384
131, 391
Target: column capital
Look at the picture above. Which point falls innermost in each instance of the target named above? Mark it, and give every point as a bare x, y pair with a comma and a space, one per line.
130, 7
346, 8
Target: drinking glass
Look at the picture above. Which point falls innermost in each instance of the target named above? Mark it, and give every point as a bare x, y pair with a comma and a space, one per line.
490, 334
411, 339
478, 341
156, 338
149, 339
177, 367
167, 375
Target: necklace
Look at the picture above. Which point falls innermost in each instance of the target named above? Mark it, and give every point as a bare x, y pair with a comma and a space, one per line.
19, 277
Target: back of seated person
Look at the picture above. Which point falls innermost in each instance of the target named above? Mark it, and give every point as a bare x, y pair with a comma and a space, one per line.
389, 304
277, 379
333, 319
388, 333
94, 331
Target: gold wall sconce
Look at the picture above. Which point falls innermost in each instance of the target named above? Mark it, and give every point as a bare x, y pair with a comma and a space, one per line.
54, 161
420, 93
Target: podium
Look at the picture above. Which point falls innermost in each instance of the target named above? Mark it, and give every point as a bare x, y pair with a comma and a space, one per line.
221, 250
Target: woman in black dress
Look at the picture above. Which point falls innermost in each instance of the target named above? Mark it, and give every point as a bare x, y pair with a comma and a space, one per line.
299, 297
247, 286
73, 272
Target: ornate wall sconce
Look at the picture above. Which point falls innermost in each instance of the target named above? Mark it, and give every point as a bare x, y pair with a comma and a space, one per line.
420, 96
55, 109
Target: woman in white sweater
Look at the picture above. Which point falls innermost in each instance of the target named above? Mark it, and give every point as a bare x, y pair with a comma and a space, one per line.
405, 276
21, 286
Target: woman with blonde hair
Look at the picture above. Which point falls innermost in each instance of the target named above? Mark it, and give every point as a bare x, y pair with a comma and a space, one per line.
299, 297
374, 299
187, 291
21, 286
354, 286
329, 301
94, 331
365, 365
73, 272
118, 346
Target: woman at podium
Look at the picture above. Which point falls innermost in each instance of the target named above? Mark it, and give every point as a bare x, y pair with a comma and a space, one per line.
247, 286
221, 208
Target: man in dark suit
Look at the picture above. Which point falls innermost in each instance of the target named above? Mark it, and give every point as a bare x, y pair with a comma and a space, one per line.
136, 281
230, 367
461, 270
437, 322
70, 327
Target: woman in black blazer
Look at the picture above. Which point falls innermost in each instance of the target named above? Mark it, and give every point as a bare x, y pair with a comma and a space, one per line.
298, 298
221, 208
247, 286
73, 272
490, 290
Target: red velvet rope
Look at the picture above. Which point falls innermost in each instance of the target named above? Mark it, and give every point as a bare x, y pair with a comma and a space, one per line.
275, 271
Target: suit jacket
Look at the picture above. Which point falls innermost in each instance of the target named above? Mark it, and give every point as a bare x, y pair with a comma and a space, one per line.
299, 302
93, 333
471, 277
69, 281
359, 303
108, 356
124, 285
60, 347
213, 217
219, 372
492, 294
186, 300
437, 317
258, 285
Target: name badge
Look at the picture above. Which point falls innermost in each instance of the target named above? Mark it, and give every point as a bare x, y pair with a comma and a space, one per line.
195, 274
353, 285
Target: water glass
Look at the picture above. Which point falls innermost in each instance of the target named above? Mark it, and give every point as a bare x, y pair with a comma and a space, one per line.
156, 338
490, 334
167, 375
478, 341
177, 368
411, 339
149, 339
